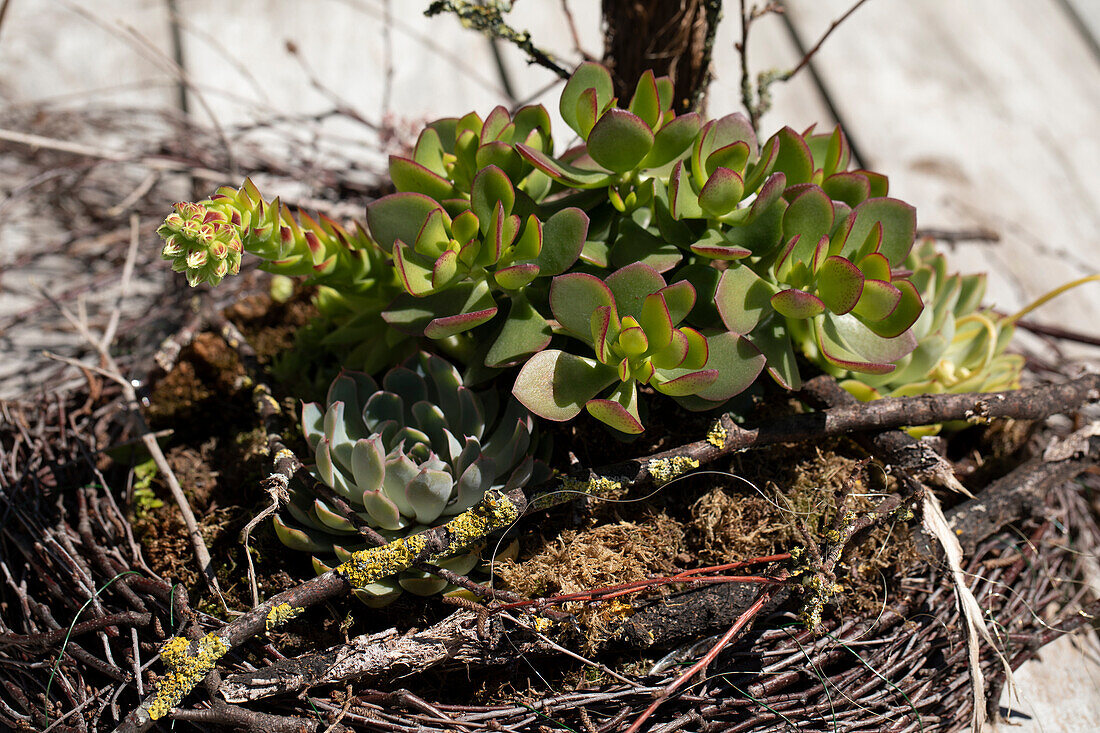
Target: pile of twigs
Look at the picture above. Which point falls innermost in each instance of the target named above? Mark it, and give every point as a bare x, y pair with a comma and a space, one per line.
84, 618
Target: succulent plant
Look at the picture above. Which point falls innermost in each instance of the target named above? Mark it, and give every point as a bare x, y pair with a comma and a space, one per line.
960, 346
662, 250
405, 455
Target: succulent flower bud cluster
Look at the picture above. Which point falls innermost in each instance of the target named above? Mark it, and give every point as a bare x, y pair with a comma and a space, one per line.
405, 455
202, 243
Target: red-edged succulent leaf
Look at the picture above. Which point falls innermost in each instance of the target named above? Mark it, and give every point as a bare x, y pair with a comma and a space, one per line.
605, 332
588, 111
415, 270
722, 191
737, 362
698, 349
797, 304
561, 171
635, 244
899, 226
875, 266
410, 176
672, 140
619, 409
878, 300
718, 134
495, 124
429, 150
620, 141
445, 270
793, 157
588, 75
683, 202
656, 321
630, 286
415, 315
726, 252
574, 297
903, 316
850, 187
555, 385
674, 354
743, 298
682, 385
563, 237
632, 339
839, 284
769, 193
680, 299
502, 155
440, 328
515, 277
847, 342
490, 186
398, 216
773, 338
810, 217
646, 103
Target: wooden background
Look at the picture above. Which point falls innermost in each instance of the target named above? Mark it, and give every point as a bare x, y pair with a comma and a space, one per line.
984, 113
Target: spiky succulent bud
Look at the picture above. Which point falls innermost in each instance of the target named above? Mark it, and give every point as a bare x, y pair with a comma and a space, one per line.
406, 455
198, 236
202, 243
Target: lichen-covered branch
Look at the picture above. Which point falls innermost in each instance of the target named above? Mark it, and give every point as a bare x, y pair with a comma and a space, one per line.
189, 663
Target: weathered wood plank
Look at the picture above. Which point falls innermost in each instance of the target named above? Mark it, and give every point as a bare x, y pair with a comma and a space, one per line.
85, 52
983, 114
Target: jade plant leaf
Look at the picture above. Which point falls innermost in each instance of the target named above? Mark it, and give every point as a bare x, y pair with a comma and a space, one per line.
555, 385
620, 141
588, 75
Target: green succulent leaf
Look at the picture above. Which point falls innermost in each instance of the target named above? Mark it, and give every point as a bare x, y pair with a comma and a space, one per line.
563, 237
737, 362
722, 192
398, 216
524, 332
574, 297
555, 385
410, 176
898, 221
672, 141
620, 141
774, 341
743, 299
489, 188
793, 157
646, 102
797, 304
619, 409
630, 285
840, 284
589, 75
903, 316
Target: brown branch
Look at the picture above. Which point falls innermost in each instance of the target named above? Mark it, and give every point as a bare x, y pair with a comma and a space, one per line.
885, 414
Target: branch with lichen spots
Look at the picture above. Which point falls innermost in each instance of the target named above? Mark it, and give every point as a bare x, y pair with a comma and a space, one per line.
726, 436
189, 663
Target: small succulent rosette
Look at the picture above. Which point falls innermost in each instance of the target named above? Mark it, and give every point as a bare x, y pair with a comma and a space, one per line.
960, 346
405, 455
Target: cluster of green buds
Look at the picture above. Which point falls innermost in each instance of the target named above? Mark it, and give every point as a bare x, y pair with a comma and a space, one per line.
205, 241
960, 346
405, 455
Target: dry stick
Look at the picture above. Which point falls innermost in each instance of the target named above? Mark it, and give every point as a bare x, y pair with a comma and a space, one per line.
885, 414
817, 46
112, 371
709, 657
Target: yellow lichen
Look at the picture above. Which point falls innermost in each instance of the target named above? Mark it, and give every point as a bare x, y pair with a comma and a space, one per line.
542, 623
283, 454
367, 566
601, 486
185, 671
718, 435
280, 614
174, 651
664, 470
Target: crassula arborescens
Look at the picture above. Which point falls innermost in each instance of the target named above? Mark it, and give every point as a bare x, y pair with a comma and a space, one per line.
662, 251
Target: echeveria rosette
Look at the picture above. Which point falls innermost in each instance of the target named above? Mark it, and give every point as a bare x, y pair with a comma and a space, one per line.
405, 455
960, 347
457, 270
631, 321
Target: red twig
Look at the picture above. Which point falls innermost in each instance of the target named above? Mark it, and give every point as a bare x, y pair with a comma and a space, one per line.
741, 622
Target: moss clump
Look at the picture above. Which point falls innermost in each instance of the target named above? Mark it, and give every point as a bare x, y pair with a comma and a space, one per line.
580, 560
